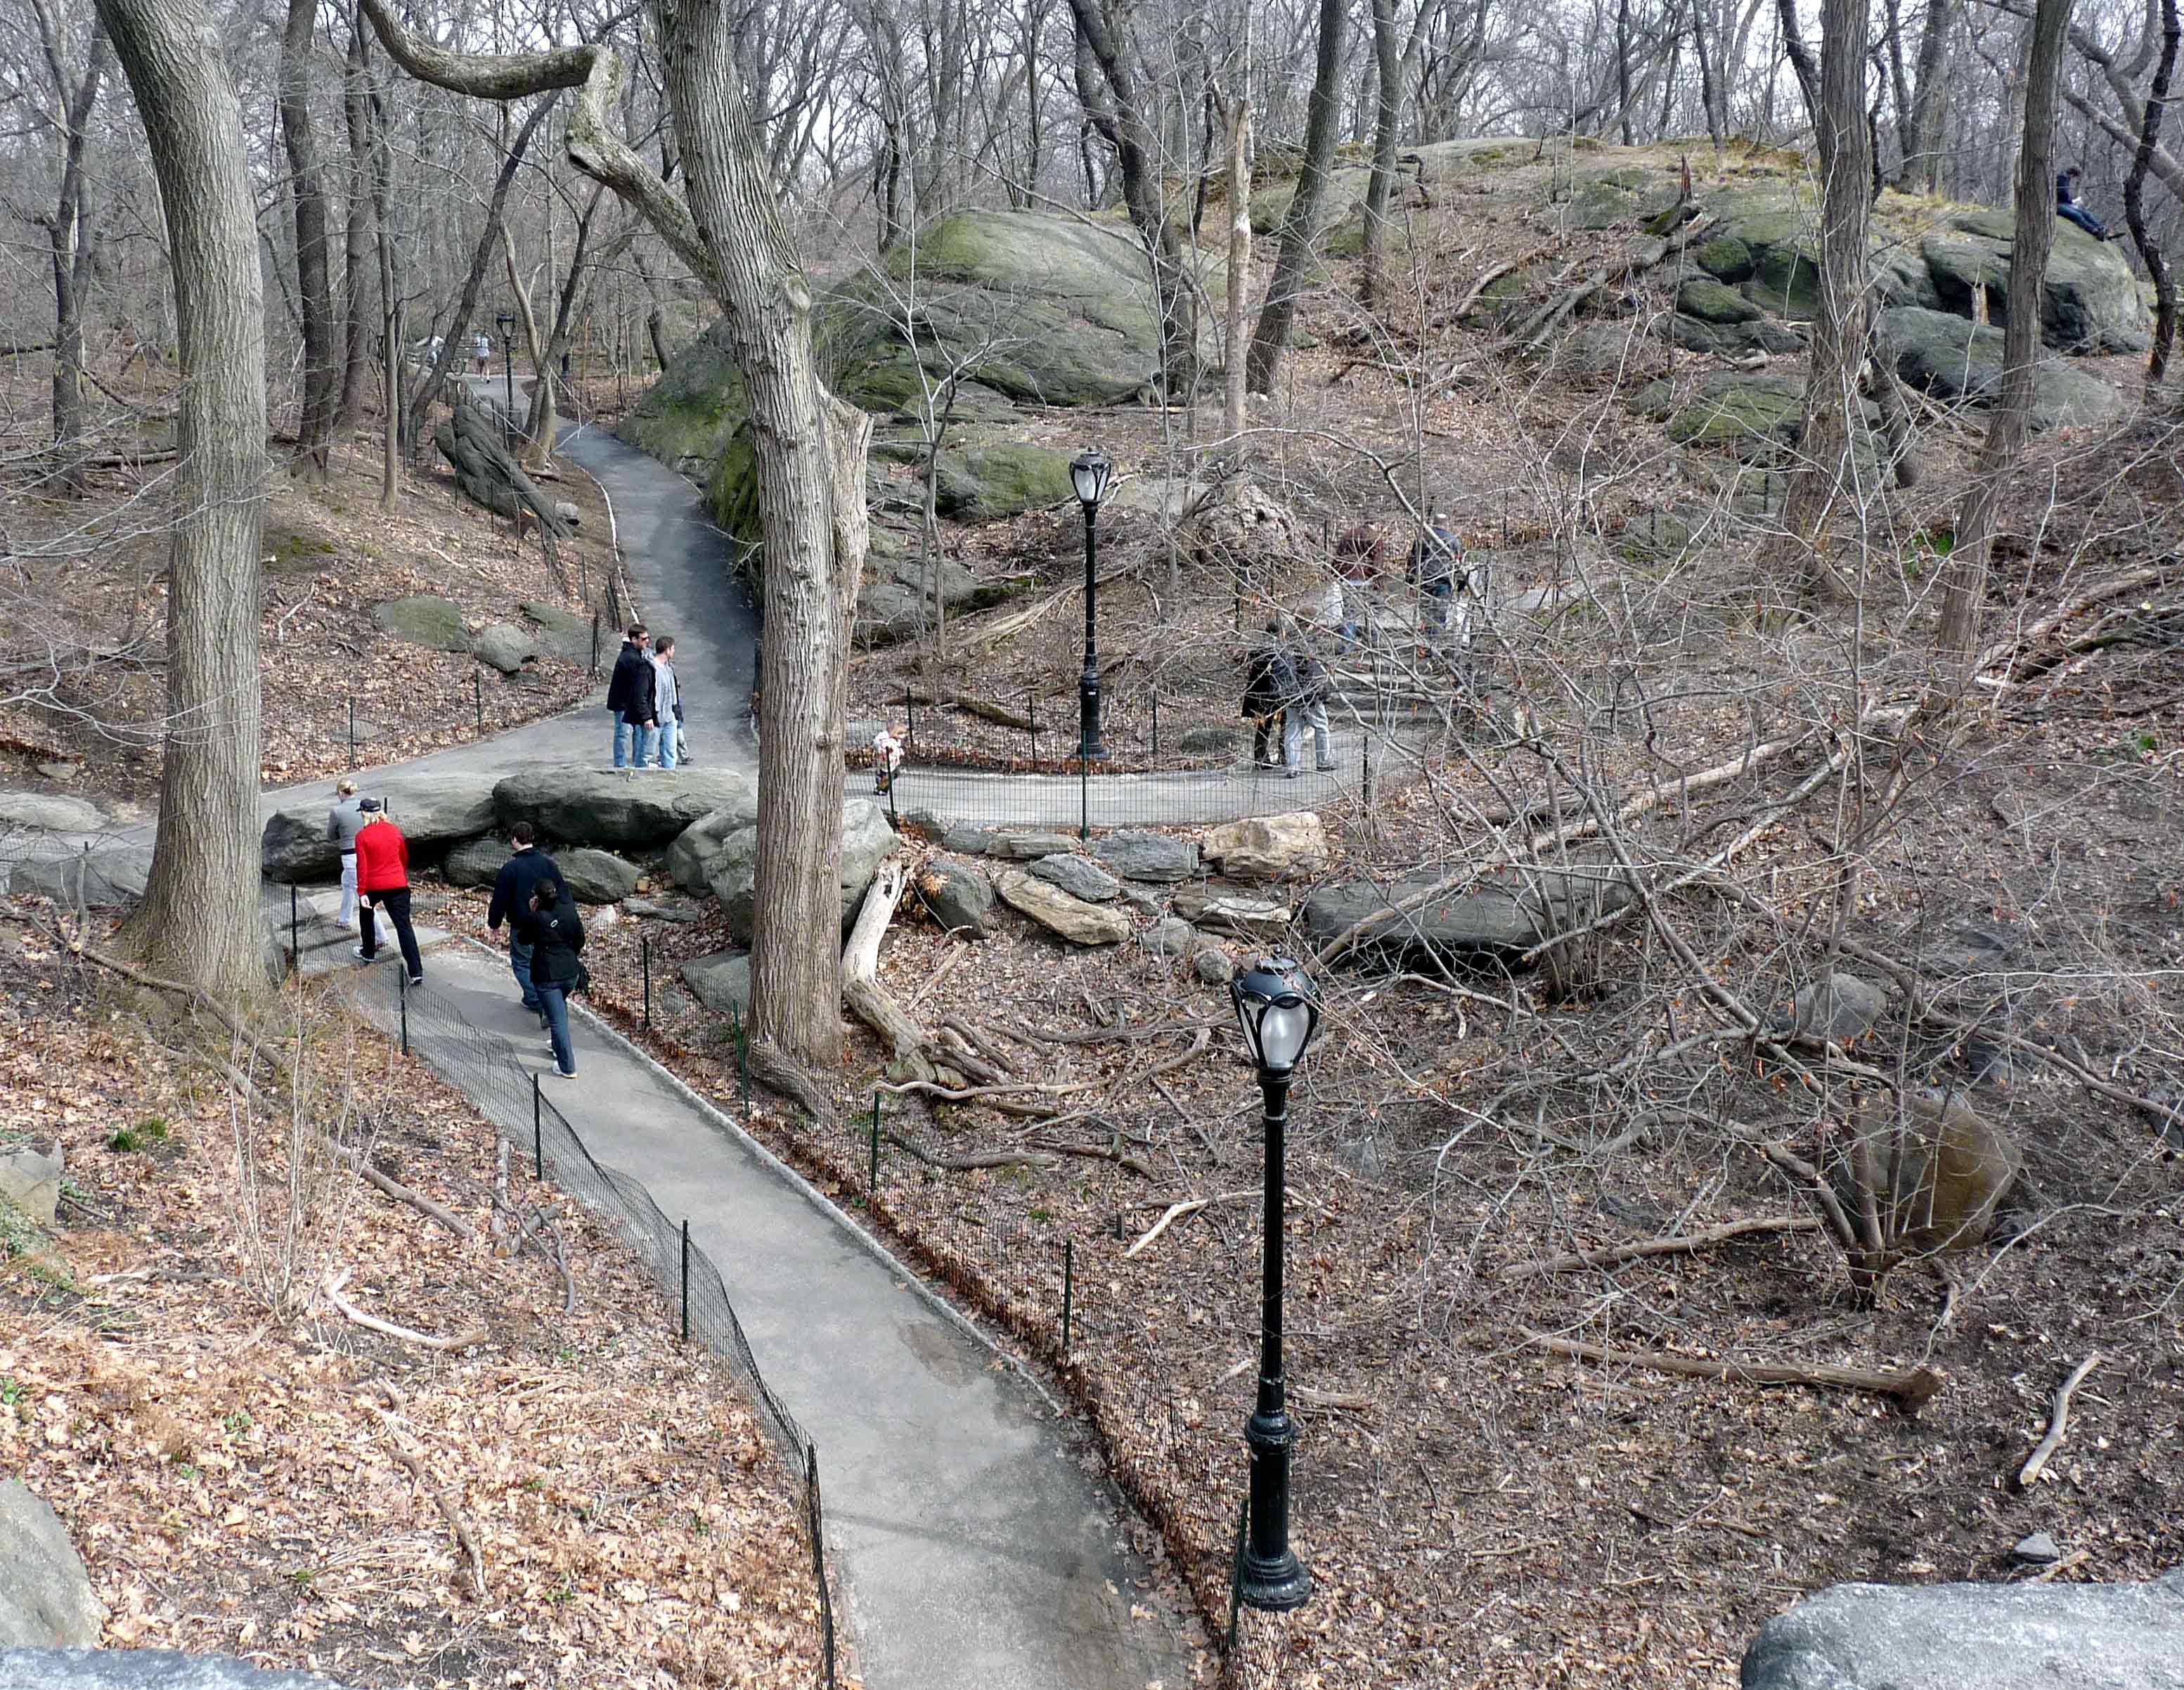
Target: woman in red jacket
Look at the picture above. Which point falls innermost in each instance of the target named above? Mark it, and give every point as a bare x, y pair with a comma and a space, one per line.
382, 883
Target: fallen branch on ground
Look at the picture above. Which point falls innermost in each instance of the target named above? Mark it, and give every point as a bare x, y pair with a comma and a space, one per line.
463, 1538
2058, 1420
1907, 1388
332, 1290
970, 1161
1177, 1211
1675, 1244
909, 1048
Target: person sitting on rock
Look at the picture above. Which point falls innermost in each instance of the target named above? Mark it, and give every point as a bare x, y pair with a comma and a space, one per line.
2067, 205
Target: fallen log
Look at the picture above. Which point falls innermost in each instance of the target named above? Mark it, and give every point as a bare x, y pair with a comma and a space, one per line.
1907, 1388
1675, 1244
910, 1051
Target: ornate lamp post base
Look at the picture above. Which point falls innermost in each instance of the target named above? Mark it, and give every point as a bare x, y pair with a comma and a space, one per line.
1274, 1579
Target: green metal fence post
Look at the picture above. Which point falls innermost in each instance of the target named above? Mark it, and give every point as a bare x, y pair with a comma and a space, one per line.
872, 1182
1068, 1286
685, 1280
538, 1134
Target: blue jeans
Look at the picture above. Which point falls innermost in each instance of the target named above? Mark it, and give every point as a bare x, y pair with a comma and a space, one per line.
2084, 220
554, 1001
519, 963
623, 731
665, 735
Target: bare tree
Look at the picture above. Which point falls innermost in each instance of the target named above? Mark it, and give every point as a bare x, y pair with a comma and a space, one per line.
199, 920
810, 453
2134, 202
306, 189
1301, 221
1387, 108
1965, 593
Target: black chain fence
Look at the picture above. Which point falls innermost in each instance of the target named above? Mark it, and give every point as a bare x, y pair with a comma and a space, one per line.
484, 1070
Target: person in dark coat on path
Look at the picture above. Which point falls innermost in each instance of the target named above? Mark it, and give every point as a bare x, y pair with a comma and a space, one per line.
555, 934
382, 883
630, 685
1270, 682
512, 888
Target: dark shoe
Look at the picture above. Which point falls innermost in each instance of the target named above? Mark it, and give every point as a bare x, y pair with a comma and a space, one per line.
416, 979
1294, 773
1328, 768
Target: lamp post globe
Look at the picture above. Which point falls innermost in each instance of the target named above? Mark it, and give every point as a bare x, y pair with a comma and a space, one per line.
1278, 1014
1089, 473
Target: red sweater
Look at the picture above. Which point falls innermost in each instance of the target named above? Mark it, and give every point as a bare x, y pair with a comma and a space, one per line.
382, 858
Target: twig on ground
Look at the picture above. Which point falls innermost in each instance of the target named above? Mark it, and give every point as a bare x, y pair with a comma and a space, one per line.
331, 1291
1680, 1244
2058, 1422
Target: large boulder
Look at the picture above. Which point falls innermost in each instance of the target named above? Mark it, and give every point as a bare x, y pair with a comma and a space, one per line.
567, 634
987, 482
1975, 1636
1952, 359
2089, 299
475, 862
596, 876
425, 620
1842, 1007
45, 1597
1497, 913
1160, 858
504, 646
432, 810
1054, 910
639, 809
868, 841
104, 878
48, 814
1236, 914
1078, 876
896, 600
958, 897
689, 858
1291, 847
89, 1669
721, 980
1713, 302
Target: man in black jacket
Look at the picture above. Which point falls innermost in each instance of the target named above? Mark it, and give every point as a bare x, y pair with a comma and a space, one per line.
632, 677
518, 879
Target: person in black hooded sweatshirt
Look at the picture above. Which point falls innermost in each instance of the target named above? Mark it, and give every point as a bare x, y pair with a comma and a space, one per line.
551, 926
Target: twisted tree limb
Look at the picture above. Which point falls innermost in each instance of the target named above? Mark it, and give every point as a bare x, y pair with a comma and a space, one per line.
1907, 1388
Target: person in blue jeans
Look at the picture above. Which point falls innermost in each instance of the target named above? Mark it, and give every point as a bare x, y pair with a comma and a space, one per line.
555, 934
2067, 205
512, 888
633, 672
666, 699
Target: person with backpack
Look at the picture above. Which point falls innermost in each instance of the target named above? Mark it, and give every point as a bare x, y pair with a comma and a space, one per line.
555, 934
1306, 708
630, 696
382, 883
1269, 682
512, 888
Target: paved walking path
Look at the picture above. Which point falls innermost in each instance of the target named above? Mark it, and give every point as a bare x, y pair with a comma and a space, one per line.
978, 1548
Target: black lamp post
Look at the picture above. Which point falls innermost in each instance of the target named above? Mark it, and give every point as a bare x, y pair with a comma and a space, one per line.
1276, 1009
1089, 472
506, 321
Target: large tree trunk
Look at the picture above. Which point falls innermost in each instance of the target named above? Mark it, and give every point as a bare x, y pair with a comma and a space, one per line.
1800, 57
1964, 579
1922, 126
1301, 222
1101, 43
1379, 186
358, 260
199, 921
376, 131
313, 281
1823, 484
2134, 203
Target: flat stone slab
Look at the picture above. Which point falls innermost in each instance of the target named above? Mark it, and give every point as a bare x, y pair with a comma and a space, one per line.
1158, 858
49, 813
105, 877
30, 1180
1029, 847
1054, 910
641, 808
1078, 876
144, 1670
722, 981
1236, 914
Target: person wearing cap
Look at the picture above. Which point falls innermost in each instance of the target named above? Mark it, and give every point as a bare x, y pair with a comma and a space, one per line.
343, 822
512, 888
382, 883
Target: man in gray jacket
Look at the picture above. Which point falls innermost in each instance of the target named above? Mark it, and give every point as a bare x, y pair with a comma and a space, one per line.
666, 700
342, 823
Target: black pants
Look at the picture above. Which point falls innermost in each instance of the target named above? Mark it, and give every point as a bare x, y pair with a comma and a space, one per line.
397, 906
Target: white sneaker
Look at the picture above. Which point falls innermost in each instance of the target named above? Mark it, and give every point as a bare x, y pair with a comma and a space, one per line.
359, 952
556, 1073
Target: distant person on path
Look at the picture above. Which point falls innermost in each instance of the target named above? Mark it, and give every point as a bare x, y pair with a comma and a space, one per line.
382, 883
886, 754
549, 924
666, 699
633, 666
1306, 708
519, 877
482, 351
1269, 682
1435, 565
2067, 205
343, 822
1360, 555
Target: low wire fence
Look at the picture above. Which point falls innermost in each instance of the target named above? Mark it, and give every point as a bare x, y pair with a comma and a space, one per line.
482, 1066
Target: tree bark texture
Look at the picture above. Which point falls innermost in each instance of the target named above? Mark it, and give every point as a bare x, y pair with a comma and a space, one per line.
1823, 485
2134, 203
199, 920
1801, 57
1965, 581
1387, 104
70, 250
358, 262
1922, 128
1301, 222
307, 187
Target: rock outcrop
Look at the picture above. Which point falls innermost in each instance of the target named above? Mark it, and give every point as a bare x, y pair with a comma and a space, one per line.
1502, 912
45, 1597
1054, 910
432, 810
608, 807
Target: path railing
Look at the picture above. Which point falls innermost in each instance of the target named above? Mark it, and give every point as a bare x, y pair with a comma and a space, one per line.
486, 1070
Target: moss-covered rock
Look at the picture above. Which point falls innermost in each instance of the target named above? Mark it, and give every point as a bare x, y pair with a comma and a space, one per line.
423, 619
1740, 411
988, 482
1711, 302
563, 633
1725, 258
2089, 299
1602, 199
1952, 359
